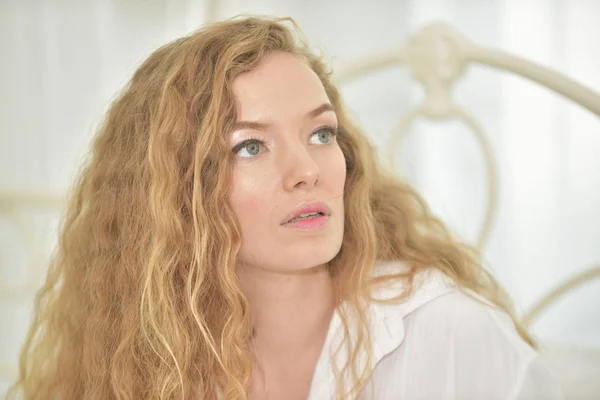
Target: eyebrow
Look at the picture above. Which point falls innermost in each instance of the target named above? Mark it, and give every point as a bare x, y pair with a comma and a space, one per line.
261, 126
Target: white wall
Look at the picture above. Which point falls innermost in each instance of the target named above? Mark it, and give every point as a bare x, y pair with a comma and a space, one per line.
62, 61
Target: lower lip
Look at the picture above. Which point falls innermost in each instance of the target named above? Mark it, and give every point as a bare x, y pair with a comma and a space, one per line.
309, 224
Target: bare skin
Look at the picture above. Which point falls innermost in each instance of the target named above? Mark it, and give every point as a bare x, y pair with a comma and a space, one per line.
291, 316
286, 159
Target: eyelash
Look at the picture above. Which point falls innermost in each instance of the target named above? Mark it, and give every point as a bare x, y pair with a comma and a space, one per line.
236, 149
333, 131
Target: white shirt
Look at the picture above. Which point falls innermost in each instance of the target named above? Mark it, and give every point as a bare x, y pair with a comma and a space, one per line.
441, 344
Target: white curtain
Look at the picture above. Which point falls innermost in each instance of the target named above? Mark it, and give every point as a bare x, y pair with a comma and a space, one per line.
61, 63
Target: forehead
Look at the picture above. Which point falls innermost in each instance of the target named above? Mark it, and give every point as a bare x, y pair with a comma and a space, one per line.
281, 85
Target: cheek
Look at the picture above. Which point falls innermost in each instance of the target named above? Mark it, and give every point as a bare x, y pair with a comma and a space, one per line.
250, 200
341, 171
336, 172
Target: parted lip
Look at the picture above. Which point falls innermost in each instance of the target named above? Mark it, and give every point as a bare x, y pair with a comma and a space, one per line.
307, 207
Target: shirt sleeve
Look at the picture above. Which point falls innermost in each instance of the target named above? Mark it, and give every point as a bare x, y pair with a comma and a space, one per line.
479, 353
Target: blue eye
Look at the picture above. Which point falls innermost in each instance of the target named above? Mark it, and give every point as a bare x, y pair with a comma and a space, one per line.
248, 148
323, 136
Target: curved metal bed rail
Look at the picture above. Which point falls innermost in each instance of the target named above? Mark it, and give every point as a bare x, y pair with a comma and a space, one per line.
560, 291
448, 53
438, 55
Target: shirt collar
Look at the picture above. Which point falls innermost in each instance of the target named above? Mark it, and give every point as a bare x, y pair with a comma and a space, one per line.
386, 324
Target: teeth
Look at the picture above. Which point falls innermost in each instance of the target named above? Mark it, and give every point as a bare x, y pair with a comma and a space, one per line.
308, 214
305, 215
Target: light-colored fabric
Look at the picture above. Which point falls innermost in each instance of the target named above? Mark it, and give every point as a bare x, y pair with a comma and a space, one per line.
578, 368
441, 343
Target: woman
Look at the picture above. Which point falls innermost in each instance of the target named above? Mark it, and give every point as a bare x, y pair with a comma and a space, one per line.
232, 236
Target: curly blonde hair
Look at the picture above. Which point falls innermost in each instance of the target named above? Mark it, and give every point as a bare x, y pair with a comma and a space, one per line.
141, 299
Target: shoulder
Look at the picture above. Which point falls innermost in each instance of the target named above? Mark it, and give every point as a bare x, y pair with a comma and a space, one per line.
440, 312
465, 321
465, 312
436, 299
477, 345
457, 342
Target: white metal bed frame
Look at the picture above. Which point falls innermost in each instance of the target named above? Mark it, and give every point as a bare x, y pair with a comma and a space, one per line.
436, 56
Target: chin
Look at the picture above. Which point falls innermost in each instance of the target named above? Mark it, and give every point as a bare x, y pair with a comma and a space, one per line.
311, 256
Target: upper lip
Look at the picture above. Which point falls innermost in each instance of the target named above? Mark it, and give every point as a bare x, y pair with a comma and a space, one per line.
307, 207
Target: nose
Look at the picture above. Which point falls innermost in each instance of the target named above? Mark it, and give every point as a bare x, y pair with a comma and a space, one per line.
301, 170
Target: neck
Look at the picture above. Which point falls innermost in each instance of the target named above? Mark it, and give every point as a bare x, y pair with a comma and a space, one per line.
290, 312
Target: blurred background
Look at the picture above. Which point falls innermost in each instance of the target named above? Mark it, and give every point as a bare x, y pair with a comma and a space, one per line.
62, 62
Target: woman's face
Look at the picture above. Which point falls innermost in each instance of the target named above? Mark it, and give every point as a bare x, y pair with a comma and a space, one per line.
289, 172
